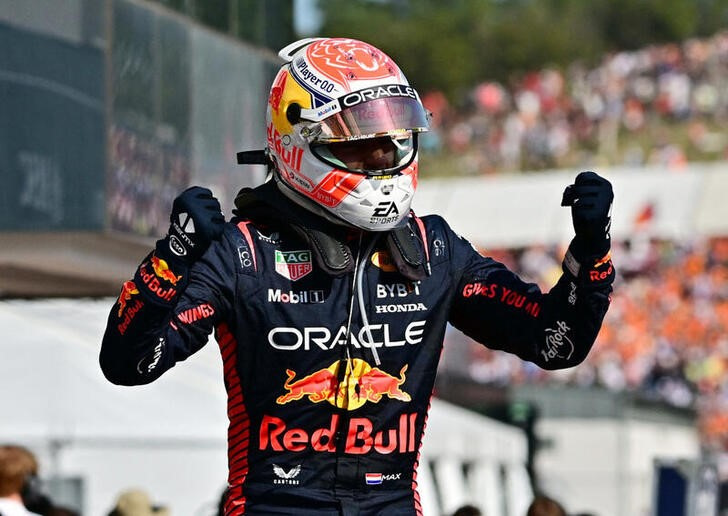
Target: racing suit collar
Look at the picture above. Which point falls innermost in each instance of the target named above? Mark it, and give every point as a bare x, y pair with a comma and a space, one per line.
327, 240
267, 203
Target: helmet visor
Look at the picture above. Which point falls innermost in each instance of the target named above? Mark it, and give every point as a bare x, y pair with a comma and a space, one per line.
378, 156
385, 116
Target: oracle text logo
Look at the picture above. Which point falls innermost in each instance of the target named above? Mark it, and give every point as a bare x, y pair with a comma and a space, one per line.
289, 338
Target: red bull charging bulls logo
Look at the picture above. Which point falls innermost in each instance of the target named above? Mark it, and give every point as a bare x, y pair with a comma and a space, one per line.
360, 383
128, 289
162, 270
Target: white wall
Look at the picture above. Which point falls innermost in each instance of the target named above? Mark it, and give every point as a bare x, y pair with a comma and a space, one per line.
605, 466
522, 209
187, 477
495, 455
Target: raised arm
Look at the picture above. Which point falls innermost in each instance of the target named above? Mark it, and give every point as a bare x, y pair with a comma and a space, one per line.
556, 329
167, 311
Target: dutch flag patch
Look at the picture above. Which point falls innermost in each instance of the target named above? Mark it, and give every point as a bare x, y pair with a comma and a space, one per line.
373, 479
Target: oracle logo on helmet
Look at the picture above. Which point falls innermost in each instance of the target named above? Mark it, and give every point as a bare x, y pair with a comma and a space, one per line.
390, 90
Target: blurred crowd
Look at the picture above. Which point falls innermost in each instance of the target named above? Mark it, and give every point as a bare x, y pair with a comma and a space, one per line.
145, 177
24, 493
662, 105
664, 338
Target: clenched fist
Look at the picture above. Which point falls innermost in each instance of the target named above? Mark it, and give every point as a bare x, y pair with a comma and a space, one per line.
196, 220
590, 198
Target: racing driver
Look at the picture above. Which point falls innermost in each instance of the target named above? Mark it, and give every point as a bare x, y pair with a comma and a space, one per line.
329, 297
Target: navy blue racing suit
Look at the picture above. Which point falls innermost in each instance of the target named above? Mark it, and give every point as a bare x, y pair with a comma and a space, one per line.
329, 373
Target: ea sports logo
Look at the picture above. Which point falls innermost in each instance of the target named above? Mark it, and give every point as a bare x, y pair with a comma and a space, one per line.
385, 209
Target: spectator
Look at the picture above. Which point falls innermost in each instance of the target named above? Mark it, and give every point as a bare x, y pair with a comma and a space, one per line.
663, 339
18, 480
544, 506
136, 502
467, 510
61, 511
579, 116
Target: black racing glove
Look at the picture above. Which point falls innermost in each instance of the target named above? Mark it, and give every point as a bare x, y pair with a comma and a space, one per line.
196, 220
590, 198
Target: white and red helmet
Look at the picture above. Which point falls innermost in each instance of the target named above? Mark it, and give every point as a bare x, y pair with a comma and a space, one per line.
342, 124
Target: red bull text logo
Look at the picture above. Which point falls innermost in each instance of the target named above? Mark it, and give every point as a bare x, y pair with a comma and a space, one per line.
154, 285
359, 384
361, 437
291, 155
161, 269
601, 275
128, 311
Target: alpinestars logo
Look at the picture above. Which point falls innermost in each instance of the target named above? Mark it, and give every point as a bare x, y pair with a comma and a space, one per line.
184, 225
185, 222
149, 362
287, 477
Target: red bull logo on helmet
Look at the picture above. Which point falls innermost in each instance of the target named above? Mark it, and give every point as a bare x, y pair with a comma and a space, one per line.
359, 384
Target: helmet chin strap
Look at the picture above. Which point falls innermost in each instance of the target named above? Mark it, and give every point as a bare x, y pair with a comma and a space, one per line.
254, 157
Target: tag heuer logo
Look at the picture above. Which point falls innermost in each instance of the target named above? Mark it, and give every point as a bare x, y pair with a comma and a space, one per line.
293, 265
